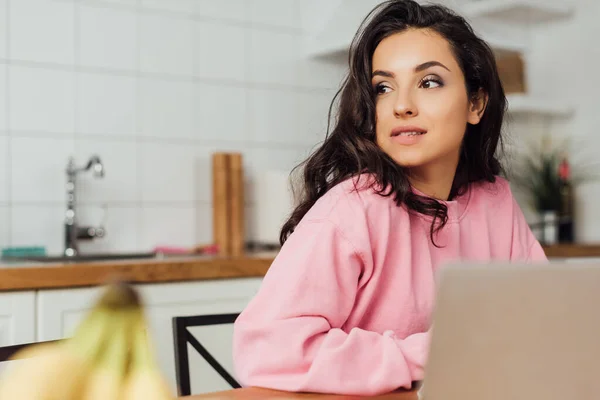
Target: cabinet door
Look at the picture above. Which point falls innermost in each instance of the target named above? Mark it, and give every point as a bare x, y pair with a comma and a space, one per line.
17, 318
59, 312
200, 298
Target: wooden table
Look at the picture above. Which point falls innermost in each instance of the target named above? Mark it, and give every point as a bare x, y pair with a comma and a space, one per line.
260, 394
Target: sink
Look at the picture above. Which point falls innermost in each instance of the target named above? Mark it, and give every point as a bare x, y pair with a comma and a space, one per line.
89, 257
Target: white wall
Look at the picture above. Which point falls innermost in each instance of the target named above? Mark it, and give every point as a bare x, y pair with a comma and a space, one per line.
563, 64
153, 87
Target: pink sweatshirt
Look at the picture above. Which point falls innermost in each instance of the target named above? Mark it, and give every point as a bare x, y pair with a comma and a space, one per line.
345, 307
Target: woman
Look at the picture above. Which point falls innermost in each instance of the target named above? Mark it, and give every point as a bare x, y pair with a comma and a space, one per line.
406, 182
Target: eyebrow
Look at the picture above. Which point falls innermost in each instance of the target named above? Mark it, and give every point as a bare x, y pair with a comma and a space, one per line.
418, 68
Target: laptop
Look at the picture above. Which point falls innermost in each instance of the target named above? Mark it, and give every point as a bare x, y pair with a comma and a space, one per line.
512, 332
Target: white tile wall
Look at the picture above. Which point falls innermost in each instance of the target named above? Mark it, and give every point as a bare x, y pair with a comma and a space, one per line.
167, 172
153, 87
322, 73
4, 226
106, 104
3, 27
221, 112
183, 6
263, 159
234, 10
167, 226
120, 181
220, 50
37, 225
38, 169
273, 115
3, 97
166, 108
120, 3
107, 37
4, 168
313, 121
42, 30
121, 225
41, 99
166, 44
204, 223
265, 68
280, 13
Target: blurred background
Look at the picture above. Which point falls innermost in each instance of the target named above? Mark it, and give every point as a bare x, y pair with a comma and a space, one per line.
131, 128
155, 87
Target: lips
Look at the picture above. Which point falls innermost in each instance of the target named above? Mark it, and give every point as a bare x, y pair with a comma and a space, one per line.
408, 131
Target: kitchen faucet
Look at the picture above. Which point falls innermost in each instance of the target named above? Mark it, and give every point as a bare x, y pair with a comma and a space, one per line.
74, 232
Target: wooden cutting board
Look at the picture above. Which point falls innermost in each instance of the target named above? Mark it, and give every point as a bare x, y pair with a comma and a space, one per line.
228, 203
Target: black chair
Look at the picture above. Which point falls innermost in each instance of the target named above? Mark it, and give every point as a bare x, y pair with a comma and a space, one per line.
182, 337
7, 352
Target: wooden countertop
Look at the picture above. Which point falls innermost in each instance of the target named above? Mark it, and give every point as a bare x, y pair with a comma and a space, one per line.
32, 276
572, 250
260, 394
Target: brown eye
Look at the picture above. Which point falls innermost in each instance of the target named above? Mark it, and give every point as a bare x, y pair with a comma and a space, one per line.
431, 83
381, 88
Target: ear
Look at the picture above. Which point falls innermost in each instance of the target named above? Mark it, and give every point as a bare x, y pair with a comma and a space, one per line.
477, 106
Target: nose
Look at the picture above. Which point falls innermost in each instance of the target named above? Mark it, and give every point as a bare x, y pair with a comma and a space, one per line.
405, 106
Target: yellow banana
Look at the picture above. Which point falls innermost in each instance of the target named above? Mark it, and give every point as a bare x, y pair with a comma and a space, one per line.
54, 371
105, 381
108, 358
144, 380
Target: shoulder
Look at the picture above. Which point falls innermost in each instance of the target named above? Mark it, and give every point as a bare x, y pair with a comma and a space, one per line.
340, 213
349, 201
494, 201
493, 194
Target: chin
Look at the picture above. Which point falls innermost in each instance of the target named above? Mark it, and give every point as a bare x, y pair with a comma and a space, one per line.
409, 164
409, 160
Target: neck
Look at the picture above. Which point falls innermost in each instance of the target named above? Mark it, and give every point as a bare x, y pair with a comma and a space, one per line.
434, 181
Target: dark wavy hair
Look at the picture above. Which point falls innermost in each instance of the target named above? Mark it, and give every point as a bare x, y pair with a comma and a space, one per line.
351, 149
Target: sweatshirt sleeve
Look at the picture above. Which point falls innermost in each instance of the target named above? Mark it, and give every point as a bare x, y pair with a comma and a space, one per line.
290, 337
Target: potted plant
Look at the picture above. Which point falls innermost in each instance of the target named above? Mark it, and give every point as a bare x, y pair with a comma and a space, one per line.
537, 174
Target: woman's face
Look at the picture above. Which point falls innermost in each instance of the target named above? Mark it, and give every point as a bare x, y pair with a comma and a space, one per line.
422, 106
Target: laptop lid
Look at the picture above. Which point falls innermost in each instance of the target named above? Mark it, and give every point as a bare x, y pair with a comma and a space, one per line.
509, 332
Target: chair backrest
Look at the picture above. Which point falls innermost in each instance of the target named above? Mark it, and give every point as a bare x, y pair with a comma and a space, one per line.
8, 352
182, 336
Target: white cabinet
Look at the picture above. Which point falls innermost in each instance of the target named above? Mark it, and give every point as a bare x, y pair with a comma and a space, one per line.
59, 312
17, 318
166, 301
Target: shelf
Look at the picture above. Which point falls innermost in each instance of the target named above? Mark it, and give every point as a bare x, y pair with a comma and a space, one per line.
517, 11
504, 24
329, 49
335, 32
334, 41
526, 104
500, 38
